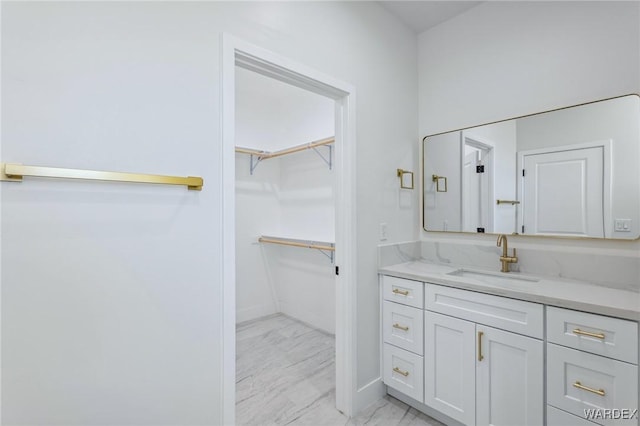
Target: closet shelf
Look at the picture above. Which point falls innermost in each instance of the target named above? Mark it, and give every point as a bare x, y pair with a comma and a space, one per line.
257, 156
325, 248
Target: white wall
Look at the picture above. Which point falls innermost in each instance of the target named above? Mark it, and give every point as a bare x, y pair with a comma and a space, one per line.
290, 196
111, 294
505, 59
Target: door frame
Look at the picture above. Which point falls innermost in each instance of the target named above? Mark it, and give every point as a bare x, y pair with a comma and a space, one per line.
607, 181
236, 52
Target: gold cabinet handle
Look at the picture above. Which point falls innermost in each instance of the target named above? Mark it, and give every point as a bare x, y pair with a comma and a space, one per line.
480, 356
402, 292
586, 333
397, 370
588, 389
401, 327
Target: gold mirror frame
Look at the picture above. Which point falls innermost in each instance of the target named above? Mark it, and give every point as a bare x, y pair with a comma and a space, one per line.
437, 178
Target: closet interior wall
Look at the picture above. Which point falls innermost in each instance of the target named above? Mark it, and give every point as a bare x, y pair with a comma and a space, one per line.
290, 196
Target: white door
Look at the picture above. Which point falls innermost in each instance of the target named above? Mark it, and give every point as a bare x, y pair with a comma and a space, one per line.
563, 193
471, 190
450, 366
509, 378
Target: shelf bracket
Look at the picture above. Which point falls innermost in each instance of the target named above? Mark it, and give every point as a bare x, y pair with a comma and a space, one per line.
328, 160
254, 160
328, 254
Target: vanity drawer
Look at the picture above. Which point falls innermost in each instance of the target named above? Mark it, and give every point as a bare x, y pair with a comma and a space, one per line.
611, 337
403, 291
500, 312
557, 417
404, 371
579, 381
403, 326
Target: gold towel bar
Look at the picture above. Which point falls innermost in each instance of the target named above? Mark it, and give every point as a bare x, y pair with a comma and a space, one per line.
15, 172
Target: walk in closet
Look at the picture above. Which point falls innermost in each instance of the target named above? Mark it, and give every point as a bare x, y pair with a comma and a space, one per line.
285, 234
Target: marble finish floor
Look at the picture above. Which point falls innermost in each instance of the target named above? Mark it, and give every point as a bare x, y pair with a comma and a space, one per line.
285, 376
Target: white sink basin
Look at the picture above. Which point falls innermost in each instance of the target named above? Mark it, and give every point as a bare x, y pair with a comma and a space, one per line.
491, 277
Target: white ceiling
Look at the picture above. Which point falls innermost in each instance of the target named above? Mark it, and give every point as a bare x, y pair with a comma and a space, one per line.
422, 15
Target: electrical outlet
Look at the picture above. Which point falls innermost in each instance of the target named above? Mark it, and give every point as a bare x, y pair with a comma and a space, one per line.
622, 225
383, 232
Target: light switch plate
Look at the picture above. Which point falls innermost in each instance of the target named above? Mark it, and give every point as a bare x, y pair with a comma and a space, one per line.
622, 225
383, 232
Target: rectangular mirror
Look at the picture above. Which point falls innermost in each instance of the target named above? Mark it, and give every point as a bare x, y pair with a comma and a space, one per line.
570, 172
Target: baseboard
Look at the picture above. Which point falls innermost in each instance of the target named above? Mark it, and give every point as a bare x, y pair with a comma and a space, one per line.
368, 394
253, 312
324, 324
424, 408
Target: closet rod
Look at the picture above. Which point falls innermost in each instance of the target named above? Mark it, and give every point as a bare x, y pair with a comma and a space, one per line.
15, 172
296, 244
297, 148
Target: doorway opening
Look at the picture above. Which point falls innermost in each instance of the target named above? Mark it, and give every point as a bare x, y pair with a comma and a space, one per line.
477, 185
238, 55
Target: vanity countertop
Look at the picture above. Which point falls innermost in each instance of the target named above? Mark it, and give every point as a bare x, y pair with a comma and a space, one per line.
550, 291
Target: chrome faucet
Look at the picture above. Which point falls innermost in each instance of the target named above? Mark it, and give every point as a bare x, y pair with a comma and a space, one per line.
505, 258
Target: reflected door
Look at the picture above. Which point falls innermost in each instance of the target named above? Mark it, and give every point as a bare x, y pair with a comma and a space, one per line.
564, 192
471, 193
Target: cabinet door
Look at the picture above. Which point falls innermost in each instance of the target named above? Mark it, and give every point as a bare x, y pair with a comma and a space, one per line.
509, 378
450, 366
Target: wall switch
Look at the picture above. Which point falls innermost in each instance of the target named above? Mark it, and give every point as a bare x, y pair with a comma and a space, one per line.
622, 225
383, 232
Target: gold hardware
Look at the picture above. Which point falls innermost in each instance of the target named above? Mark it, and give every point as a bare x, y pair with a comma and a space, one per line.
512, 202
402, 292
265, 154
401, 174
480, 356
401, 327
588, 389
15, 172
296, 244
505, 258
397, 370
436, 179
586, 333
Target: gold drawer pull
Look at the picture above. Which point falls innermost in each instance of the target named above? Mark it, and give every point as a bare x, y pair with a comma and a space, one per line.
397, 370
401, 327
402, 292
480, 356
586, 333
588, 389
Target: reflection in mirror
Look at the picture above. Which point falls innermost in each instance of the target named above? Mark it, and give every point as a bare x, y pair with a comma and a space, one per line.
572, 172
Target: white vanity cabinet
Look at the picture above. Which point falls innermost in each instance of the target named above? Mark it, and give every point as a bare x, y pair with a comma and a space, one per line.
403, 336
482, 355
474, 358
592, 366
477, 369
